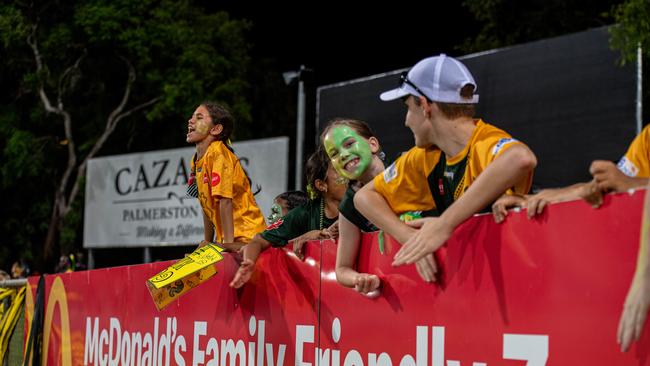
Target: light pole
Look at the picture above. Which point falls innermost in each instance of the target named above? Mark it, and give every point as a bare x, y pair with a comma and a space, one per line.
289, 76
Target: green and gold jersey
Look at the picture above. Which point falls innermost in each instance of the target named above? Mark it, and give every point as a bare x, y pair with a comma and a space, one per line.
426, 179
347, 209
220, 175
298, 221
636, 161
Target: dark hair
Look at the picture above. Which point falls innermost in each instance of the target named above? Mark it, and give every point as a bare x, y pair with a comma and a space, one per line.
359, 126
453, 110
293, 198
316, 168
220, 116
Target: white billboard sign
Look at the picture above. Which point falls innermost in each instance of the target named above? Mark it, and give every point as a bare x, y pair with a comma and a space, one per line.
138, 200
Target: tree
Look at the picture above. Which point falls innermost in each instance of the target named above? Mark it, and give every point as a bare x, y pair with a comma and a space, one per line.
507, 22
632, 30
73, 72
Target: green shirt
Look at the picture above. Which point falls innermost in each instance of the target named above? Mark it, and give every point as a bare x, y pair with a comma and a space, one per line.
347, 209
298, 221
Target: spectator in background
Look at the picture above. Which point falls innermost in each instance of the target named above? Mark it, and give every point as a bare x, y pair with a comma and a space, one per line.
460, 165
632, 171
285, 202
224, 190
79, 262
317, 219
20, 269
65, 264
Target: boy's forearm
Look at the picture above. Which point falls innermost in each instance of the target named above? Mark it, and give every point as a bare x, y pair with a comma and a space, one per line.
374, 207
504, 172
227, 222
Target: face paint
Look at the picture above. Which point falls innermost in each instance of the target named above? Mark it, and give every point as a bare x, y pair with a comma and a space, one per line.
202, 126
199, 125
276, 213
349, 152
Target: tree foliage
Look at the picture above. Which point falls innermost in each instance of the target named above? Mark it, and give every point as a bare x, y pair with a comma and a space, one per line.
77, 75
509, 22
632, 30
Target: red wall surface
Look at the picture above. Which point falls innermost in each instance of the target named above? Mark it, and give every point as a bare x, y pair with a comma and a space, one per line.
547, 291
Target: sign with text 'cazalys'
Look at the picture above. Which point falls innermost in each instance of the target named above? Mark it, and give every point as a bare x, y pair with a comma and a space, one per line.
137, 200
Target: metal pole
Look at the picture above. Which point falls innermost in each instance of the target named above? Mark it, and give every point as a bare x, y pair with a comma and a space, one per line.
147, 255
91, 259
19, 282
300, 129
639, 90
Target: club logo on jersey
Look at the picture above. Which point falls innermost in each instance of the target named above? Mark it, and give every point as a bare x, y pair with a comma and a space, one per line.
627, 167
275, 225
215, 179
205, 178
501, 143
449, 175
390, 173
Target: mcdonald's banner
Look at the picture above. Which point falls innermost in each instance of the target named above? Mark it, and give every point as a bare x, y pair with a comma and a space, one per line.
547, 291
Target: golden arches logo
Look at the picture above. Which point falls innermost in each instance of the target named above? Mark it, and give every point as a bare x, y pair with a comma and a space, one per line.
57, 296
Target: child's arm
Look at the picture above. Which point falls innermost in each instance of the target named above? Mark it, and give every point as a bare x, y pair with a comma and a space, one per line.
251, 250
372, 205
505, 171
298, 242
346, 257
610, 178
208, 230
227, 226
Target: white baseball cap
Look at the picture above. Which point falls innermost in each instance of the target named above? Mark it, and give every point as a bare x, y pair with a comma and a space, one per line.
438, 79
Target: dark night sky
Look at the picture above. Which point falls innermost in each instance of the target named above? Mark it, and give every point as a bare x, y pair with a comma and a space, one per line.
341, 42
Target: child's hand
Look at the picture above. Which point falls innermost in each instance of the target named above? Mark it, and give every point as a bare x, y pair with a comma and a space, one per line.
300, 241
332, 232
635, 312
243, 274
367, 284
592, 193
501, 206
231, 247
427, 268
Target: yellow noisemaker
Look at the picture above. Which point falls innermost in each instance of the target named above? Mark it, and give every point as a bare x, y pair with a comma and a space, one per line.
184, 275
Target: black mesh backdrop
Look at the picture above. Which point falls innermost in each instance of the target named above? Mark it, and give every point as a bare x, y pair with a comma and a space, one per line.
566, 97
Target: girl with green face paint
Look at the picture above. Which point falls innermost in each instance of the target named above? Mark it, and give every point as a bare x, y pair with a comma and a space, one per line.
355, 153
350, 153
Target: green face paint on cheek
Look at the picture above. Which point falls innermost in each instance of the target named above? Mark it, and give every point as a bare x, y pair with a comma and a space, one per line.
349, 152
276, 213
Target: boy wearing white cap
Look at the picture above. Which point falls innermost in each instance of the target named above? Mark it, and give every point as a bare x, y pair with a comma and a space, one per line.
459, 164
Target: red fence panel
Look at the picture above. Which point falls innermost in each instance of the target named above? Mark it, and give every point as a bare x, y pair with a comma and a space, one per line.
547, 291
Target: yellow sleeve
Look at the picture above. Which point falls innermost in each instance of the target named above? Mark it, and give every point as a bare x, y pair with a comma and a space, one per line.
404, 183
221, 174
636, 161
491, 147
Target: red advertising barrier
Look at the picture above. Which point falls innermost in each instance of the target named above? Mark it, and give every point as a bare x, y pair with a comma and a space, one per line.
547, 291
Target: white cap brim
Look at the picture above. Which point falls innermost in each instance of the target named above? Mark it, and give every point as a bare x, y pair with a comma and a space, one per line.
394, 94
